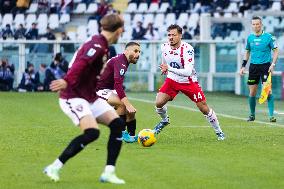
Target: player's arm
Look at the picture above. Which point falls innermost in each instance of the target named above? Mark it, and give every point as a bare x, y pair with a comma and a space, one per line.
188, 64
274, 47
246, 58
119, 72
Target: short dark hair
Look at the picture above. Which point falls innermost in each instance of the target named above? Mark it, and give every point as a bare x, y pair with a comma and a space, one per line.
132, 43
111, 22
175, 26
256, 18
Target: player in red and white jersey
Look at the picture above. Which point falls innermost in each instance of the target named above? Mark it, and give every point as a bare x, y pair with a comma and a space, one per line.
110, 87
178, 64
78, 100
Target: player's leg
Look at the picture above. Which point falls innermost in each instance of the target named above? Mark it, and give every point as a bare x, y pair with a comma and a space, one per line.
253, 80
165, 94
79, 111
211, 117
129, 119
161, 109
106, 115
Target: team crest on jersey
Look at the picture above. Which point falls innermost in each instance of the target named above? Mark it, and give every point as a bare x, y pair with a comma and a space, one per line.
121, 72
79, 108
190, 60
91, 52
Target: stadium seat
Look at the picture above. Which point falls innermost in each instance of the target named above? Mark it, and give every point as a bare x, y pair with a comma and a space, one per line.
31, 18
182, 19
196, 7
7, 19
170, 19
19, 19
0, 18
143, 7
42, 23
154, 7
159, 20
80, 9
164, 7
233, 7
53, 21
137, 17
92, 8
276, 6
127, 19
132, 7
71, 35
64, 18
148, 18
228, 15
32, 8
82, 33
93, 27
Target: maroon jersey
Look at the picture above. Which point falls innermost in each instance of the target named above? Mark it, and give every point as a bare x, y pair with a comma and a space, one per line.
85, 68
113, 75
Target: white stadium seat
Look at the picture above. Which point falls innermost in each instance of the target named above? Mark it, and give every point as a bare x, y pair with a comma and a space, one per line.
233, 7
93, 27
154, 7
80, 9
159, 20
64, 18
143, 7
164, 7
148, 18
276, 6
71, 35
7, 19
92, 8
127, 19
137, 17
53, 21
32, 8
42, 21
82, 33
19, 19
31, 18
170, 19
132, 7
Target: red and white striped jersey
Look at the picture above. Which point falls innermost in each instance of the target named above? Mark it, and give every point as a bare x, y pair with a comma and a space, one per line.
180, 62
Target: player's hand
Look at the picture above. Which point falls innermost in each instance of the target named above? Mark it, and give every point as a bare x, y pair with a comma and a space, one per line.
58, 84
271, 68
164, 68
242, 71
130, 109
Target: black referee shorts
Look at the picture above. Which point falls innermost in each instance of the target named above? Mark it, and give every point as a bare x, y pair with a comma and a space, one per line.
257, 72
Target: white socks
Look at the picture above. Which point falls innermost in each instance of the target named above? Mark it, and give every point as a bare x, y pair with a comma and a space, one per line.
57, 164
213, 120
163, 113
109, 169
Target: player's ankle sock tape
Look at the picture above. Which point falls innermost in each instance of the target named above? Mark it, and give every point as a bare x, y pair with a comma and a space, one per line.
78, 143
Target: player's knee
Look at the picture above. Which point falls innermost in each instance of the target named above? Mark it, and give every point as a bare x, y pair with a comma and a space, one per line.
116, 127
91, 135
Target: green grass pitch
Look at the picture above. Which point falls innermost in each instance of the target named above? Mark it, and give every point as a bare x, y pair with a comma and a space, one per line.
34, 131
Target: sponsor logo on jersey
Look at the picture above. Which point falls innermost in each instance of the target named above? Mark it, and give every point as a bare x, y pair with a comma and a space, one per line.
91, 52
190, 60
190, 52
97, 45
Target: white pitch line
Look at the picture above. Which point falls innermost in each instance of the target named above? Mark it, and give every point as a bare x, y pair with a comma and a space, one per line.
219, 114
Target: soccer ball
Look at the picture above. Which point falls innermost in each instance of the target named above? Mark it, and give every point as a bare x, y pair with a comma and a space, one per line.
146, 137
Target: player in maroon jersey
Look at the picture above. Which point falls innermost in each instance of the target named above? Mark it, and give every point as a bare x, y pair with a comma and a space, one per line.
78, 100
110, 87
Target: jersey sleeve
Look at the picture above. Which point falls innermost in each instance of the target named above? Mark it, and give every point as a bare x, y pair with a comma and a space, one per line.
273, 43
187, 61
85, 55
119, 71
248, 45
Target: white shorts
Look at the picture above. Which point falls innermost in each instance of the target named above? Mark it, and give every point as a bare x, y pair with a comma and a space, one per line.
76, 108
105, 93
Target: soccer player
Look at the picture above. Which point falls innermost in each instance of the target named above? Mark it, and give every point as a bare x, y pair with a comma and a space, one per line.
258, 48
110, 87
178, 64
78, 100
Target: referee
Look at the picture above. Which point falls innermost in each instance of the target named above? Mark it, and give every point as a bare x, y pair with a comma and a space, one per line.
258, 48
